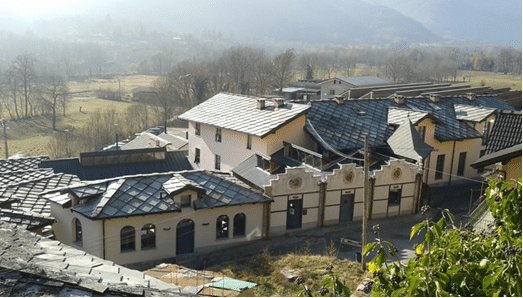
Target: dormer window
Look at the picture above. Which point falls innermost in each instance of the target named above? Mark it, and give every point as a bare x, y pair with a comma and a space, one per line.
218, 137
185, 200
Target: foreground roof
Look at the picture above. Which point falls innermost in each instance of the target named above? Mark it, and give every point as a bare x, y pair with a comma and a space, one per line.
24, 219
343, 126
153, 193
31, 265
26, 194
240, 113
506, 131
19, 163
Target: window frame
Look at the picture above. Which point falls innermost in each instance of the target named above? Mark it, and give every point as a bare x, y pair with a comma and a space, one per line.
239, 225
197, 129
440, 167
222, 227
127, 239
182, 197
217, 162
394, 200
78, 232
197, 155
148, 240
422, 130
218, 135
249, 142
462, 163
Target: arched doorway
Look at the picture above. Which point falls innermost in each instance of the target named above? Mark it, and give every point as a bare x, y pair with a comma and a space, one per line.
185, 237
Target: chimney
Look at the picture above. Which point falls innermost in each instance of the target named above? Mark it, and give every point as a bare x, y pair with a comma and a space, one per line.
261, 104
471, 96
399, 99
339, 100
279, 102
435, 97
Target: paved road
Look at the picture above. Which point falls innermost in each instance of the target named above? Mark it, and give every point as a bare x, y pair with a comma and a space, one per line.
456, 198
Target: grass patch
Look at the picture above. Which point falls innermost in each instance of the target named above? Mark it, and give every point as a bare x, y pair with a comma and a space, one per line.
490, 79
265, 270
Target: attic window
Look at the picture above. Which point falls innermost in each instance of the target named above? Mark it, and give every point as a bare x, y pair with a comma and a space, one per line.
359, 112
185, 200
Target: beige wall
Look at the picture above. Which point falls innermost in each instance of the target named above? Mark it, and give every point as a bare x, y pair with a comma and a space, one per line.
165, 223
338, 88
385, 182
233, 147
452, 150
282, 192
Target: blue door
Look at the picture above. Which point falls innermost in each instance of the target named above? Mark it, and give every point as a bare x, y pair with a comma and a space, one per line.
185, 237
294, 214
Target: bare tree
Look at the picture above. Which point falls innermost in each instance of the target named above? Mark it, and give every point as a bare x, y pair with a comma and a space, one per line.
284, 68
55, 92
24, 69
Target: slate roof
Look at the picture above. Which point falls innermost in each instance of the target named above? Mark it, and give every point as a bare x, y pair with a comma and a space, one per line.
249, 171
177, 142
31, 265
397, 115
149, 140
21, 164
472, 113
25, 220
343, 126
148, 194
506, 131
498, 156
406, 142
240, 113
175, 161
27, 193
365, 81
7, 178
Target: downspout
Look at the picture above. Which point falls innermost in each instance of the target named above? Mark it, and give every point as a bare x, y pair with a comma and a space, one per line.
452, 161
103, 239
321, 211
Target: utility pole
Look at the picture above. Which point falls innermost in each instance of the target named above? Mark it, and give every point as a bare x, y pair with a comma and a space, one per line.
5, 137
365, 201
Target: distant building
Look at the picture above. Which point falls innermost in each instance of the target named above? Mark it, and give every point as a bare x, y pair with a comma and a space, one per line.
336, 86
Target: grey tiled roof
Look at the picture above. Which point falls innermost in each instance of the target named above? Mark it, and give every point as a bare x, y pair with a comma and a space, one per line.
21, 164
145, 140
7, 178
406, 142
239, 113
223, 190
506, 131
177, 142
397, 115
248, 171
343, 126
148, 194
472, 113
498, 156
31, 265
365, 81
27, 193
25, 220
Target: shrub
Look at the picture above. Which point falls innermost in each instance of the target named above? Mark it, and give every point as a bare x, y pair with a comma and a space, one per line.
452, 261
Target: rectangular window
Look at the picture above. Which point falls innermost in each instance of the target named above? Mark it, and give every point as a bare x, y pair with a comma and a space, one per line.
197, 129
218, 134
196, 155
421, 131
394, 197
461, 163
217, 162
185, 200
332, 92
486, 129
440, 163
249, 142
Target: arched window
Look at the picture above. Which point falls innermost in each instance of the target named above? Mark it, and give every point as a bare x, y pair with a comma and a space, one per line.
239, 225
78, 232
222, 227
127, 239
148, 236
